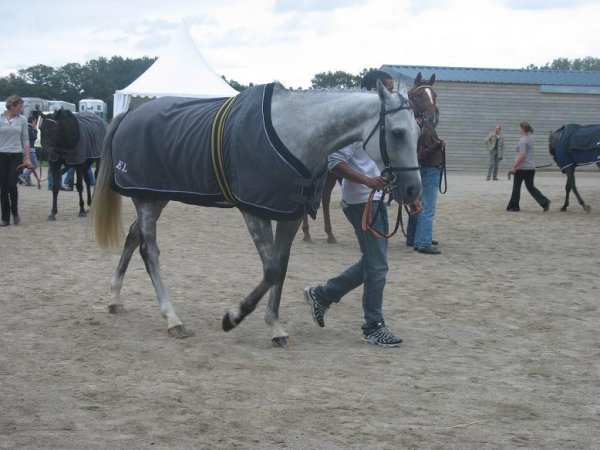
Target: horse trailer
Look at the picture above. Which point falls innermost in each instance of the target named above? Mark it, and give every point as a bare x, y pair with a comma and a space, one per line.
55, 105
94, 105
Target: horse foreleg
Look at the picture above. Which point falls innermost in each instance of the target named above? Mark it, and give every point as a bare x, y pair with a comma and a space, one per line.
262, 235
56, 184
567, 191
284, 236
148, 213
131, 243
79, 184
326, 199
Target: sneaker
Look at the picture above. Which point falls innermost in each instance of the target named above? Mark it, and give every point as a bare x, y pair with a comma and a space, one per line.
383, 336
317, 308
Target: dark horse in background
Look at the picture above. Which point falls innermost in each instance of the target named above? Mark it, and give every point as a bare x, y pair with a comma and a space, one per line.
424, 104
575, 145
72, 140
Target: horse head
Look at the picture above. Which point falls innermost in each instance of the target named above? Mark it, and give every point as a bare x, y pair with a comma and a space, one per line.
395, 150
59, 130
424, 99
553, 139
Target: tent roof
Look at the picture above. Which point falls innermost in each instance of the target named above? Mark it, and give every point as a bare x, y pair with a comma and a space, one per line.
180, 71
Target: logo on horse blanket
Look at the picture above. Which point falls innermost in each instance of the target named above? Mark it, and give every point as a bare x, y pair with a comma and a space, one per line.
578, 145
162, 149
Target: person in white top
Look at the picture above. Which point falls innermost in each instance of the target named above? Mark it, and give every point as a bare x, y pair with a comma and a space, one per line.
14, 150
360, 176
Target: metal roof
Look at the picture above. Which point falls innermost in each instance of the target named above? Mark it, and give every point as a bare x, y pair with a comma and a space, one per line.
502, 76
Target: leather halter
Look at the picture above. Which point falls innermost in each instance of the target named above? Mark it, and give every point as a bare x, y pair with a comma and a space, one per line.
388, 171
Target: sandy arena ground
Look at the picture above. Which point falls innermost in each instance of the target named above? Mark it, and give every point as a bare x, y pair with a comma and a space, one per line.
501, 344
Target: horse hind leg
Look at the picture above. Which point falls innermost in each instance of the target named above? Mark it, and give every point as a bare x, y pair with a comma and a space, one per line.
148, 213
306, 229
131, 243
79, 184
327, 190
262, 235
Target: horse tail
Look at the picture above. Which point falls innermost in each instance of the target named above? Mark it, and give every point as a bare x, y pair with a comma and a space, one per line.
106, 205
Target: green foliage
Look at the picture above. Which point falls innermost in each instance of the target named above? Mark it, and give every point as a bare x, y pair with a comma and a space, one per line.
578, 64
337, 79
98, 78
237, 86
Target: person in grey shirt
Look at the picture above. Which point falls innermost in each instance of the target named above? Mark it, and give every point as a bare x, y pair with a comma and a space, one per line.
14, 150
494, 143
524, 170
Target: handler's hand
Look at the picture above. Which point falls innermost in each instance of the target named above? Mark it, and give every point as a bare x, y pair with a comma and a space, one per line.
415, 208
27, 163
377, 183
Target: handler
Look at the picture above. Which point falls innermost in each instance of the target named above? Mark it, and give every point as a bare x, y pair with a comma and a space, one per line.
360, 176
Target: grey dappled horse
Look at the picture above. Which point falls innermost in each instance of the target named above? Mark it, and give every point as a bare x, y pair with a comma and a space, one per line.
311, 124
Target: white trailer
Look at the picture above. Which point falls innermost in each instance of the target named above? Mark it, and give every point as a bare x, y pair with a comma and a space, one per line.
94, 105
55, 105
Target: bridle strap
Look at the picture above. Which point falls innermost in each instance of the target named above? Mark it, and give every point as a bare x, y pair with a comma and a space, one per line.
368, 220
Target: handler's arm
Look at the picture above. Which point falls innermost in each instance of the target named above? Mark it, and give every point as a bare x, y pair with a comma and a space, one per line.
343, 170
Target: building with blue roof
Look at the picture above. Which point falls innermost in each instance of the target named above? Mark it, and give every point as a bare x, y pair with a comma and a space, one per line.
472, 101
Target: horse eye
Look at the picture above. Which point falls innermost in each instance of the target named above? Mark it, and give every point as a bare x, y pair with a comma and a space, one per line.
398, 133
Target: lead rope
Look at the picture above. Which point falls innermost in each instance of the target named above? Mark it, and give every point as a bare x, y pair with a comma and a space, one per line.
368, 221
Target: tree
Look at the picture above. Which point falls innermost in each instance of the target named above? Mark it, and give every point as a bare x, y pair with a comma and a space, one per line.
578, 64
337, 79
237, 86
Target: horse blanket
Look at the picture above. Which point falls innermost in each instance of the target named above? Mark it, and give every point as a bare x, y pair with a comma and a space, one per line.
213, 152
88, 144
578, 145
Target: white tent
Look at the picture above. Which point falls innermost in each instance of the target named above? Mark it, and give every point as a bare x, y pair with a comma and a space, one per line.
180, 71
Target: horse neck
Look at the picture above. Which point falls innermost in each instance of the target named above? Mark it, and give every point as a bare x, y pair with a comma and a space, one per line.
314, 124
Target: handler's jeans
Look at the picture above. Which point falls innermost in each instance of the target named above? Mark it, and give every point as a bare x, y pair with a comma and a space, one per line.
371, 270
423, 222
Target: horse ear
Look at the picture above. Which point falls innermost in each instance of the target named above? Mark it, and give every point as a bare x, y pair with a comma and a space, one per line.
402, 88
418, 79
432, 80
382, 90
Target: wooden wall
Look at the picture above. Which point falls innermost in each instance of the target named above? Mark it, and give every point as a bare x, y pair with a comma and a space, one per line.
468, 112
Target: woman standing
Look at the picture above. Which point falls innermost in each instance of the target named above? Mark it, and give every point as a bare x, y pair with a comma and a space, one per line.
14, 149
524, 170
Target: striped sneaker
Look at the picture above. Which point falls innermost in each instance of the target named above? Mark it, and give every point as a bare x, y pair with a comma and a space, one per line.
383, 336
317, 308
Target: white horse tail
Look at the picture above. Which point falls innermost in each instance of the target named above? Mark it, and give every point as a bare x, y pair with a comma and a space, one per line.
106, 204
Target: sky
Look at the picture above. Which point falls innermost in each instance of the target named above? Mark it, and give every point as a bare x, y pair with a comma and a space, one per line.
259, 41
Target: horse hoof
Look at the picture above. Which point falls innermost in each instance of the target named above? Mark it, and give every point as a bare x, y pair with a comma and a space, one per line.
587, 209
280, 342
116, 309
82, 214
331, 240
226, 323
51, 218
179, 332
563, 209
307, 239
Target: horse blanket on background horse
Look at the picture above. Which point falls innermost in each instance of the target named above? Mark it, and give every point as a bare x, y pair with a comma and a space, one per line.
213, 152
578, 145
79, 139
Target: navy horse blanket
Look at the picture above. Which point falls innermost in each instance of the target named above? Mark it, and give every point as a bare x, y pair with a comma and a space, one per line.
578, 145
212, 152
88, 135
